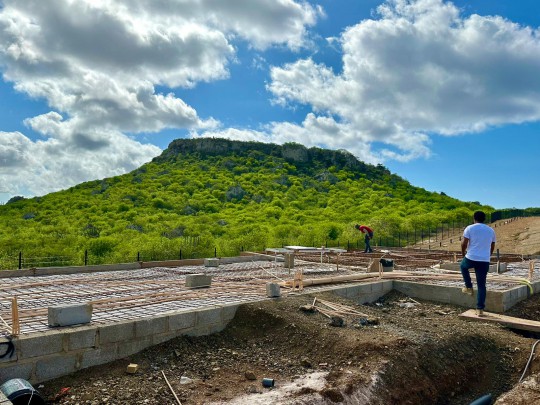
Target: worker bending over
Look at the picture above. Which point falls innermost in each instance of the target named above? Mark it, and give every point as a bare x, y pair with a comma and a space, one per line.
368, 232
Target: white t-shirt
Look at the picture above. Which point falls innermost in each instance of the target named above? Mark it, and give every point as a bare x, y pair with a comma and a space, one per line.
480, 238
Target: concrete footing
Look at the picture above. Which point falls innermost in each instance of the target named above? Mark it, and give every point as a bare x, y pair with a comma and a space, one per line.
43, 356
40, 357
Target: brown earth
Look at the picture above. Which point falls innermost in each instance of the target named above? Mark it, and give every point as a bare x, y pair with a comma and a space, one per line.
410, 352
514, 236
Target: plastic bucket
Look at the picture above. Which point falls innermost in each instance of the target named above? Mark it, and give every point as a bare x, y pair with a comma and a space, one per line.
21, 392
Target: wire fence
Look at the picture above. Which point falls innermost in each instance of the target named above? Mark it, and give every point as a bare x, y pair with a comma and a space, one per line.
430, 238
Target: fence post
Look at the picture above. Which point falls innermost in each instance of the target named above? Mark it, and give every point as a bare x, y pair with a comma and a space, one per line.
348, 245
20, 260
215, 251
138, 256
86, 257
180, 254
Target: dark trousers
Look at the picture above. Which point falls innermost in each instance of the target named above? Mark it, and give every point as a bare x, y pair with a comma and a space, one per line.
368, 246
481, 270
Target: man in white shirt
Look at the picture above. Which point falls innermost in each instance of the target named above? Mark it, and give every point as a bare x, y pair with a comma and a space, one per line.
477, 246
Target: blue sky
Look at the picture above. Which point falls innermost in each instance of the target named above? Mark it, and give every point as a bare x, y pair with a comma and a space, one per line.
445, 94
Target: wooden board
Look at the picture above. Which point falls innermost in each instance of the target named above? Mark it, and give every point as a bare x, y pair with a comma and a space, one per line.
509, 321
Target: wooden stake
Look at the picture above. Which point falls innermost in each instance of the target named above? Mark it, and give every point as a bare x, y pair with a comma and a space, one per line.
16, 328
171, 388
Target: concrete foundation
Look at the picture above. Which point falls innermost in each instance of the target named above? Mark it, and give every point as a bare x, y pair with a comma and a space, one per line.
289, 260
43, 355
68, 315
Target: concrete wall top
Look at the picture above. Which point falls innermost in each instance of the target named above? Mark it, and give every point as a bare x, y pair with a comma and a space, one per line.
49, 271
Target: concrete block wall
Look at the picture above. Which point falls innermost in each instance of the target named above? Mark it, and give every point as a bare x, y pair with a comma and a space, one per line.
43, 356
496, 301
365, 292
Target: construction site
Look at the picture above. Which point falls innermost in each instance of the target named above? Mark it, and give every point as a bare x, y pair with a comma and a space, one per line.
290, 325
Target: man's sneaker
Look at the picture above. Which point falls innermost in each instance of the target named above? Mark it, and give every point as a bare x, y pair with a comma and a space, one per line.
479, 312
466, 290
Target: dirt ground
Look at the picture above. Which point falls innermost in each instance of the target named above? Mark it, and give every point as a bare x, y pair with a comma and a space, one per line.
410, 352
399, 351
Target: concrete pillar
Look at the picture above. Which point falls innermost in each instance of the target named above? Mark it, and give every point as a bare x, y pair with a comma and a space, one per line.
289, 260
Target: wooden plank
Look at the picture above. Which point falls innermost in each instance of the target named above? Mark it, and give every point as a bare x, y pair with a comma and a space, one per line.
509, 321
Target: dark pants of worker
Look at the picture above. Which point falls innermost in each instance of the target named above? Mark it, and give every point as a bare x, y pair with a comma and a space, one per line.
481, 270
368, 246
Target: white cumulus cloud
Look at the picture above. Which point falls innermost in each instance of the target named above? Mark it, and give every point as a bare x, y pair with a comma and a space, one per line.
97, 65
417, 69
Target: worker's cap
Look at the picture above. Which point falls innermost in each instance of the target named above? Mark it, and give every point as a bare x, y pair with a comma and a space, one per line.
357, 226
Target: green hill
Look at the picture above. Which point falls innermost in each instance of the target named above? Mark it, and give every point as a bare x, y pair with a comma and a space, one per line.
206, 196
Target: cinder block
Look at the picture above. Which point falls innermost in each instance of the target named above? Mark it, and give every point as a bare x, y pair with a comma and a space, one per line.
150, 326
82, 338
208, 316
117, 332
39, 344
181, 321
205, 330
273, 290
66, 315
159, 338
130, 347
94, 357
229, 311
198, 280
19, 370
212, 262
55, 366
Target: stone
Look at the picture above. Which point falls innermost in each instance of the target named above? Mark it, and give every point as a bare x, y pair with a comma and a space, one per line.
132, 368
273, 290
250, 375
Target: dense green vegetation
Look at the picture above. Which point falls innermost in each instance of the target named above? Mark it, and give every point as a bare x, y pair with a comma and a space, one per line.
207, 195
